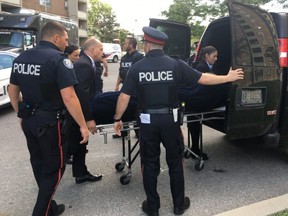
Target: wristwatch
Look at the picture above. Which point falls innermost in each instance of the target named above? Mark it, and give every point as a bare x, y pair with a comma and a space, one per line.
115, 119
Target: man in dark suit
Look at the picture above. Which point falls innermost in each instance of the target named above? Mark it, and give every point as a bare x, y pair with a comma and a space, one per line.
85, 72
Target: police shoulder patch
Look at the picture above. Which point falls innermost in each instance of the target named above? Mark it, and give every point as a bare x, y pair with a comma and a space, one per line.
68, 63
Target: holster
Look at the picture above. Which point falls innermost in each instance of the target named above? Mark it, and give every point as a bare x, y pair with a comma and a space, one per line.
66, 121
181, 111
24, 110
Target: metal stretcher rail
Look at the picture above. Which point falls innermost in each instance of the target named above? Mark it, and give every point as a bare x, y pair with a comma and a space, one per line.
128, 126
200, 117
126, 161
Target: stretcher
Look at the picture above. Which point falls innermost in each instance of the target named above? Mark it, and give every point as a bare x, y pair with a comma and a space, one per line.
201, 117
133, 152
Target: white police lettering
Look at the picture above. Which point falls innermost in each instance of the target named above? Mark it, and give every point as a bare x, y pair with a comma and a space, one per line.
126, 64
155, 76
28, 69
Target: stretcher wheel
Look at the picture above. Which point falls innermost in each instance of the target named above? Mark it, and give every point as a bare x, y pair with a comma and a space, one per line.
187, 154
125, 179
199, 165
119, 166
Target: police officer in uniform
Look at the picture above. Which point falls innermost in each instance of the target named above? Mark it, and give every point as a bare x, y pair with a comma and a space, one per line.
100, 65
132, 55
156, 78
45, 78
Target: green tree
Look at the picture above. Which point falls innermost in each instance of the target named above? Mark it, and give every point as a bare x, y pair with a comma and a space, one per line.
102, 21
193, 12
122, 34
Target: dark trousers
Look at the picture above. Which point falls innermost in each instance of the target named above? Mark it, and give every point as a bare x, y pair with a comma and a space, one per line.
78, 150
47, 155
194, 129
162, 129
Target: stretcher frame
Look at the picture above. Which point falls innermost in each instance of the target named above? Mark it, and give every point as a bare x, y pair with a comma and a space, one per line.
126, 161
133, 152
200, 117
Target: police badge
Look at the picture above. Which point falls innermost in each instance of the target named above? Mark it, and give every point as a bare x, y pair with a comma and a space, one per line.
68, 63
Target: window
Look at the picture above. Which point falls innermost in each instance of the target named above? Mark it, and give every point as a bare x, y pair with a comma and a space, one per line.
66, 4
45, 2
6, 61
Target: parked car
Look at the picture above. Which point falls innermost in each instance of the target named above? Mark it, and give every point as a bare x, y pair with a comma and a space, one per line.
112, 52
6, 60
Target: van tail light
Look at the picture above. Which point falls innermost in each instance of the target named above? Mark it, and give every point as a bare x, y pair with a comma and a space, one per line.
283, 51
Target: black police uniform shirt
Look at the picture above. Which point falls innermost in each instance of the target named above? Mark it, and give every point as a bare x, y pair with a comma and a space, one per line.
126, 62
41, 73
156, 78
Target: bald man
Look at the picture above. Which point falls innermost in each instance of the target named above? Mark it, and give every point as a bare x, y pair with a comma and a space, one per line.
85, 90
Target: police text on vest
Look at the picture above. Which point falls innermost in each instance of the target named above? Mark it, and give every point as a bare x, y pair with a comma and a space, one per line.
155, 76
28, 69
126, 64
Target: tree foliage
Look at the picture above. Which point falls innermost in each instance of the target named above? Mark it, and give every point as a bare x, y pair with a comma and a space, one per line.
196, 13
102, 21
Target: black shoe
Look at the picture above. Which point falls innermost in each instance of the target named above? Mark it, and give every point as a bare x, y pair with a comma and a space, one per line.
148, 211
69, 160
186, 205
203, 155
59, 210
88, 177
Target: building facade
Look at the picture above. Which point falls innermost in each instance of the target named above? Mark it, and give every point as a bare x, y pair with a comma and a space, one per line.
74, 10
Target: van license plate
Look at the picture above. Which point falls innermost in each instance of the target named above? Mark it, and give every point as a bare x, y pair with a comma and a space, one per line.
251, 97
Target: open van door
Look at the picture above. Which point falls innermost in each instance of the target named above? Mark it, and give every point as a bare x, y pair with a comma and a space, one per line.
246, 39
179, 37
254, 102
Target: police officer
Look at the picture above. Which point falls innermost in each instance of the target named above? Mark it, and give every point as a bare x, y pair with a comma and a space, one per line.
132, 55
99, 68
45, 78
156, 78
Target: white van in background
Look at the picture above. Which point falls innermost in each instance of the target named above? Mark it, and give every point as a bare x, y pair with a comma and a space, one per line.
112, 51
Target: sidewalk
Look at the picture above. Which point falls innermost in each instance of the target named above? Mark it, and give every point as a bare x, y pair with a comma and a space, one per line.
262, 208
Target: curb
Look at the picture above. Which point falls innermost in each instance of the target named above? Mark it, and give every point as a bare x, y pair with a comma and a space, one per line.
262, 208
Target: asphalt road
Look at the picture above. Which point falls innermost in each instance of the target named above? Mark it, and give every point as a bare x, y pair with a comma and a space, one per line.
236, 174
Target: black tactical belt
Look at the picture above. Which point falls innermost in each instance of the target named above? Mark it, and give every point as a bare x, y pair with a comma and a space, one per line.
45, 113
165, 110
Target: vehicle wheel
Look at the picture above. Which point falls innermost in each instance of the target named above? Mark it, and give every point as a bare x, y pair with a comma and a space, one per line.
125, 179
115, 59
187, 154
119, 166
199, 165
272, 140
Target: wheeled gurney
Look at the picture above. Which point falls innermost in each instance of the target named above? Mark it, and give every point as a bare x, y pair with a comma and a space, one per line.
103, 109
133, 151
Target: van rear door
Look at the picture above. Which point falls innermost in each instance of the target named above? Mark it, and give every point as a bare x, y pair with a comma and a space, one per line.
254, 102
179, 37
281, 22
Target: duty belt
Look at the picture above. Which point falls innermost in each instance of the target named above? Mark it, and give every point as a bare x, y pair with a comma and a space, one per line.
45, 113
164, 110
